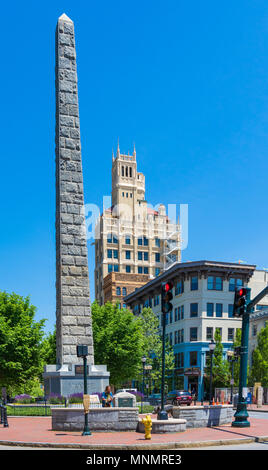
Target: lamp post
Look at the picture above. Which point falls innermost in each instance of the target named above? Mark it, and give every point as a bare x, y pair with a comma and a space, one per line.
233, 358
82, 351
211, 346
143, 359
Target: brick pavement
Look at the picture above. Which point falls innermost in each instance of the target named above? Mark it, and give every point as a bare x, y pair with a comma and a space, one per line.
37, 431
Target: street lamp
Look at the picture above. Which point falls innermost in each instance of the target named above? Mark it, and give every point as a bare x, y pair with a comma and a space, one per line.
143, 360
211, 346
82, 351
233, 355
148, 369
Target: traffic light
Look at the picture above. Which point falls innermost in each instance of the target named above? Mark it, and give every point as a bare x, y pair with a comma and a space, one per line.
241, 298
166, 296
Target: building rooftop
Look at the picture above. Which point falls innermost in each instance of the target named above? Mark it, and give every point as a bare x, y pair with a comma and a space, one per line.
263, 313
203, 266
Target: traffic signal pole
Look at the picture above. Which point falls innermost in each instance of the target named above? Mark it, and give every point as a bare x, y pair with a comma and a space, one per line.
166, 307
241, 414
162, 413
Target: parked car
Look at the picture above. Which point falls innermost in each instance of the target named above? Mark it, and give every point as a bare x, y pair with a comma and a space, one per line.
155, 395
154, 399
182, 398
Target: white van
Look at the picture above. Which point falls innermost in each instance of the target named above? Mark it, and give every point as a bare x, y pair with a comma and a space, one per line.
129, 390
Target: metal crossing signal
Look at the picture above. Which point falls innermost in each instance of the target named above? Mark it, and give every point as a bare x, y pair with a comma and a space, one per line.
166, 296
241, 299
237, 351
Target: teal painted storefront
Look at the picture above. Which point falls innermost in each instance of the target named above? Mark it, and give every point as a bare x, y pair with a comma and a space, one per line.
196, 381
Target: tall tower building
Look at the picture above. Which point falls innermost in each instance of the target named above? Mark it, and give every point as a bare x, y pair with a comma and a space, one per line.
133, 242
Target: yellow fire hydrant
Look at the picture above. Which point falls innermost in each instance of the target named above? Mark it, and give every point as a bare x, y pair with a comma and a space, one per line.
147, 426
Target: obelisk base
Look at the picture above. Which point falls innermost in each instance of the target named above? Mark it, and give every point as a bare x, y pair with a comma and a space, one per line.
68, 379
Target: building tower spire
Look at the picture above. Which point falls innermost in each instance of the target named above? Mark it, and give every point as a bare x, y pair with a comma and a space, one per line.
118, 149
134, 151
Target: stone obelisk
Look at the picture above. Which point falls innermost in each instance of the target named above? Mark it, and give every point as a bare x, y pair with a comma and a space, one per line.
72, 278
73, 317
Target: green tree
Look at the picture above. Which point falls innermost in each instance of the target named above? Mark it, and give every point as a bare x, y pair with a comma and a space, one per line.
220, 367
259, 369
20, 344
152, 346
237, 343
49, 348
117, 340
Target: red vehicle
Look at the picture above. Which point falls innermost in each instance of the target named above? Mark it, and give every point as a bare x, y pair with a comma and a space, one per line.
182, 398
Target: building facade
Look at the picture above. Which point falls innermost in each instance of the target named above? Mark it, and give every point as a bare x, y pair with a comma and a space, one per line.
131, 238
117, 285
258, 320
203, 296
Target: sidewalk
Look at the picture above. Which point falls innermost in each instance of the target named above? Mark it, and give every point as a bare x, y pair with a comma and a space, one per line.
250, 407
36, 431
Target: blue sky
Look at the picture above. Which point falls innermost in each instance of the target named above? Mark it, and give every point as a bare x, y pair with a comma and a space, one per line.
186, 81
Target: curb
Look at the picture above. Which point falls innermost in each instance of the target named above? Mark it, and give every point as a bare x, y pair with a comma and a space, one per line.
156, 446
258, 410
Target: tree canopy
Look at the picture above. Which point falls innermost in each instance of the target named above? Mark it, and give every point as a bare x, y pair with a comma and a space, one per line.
152, 345
21, 339
117, 340
220, 366
259, 369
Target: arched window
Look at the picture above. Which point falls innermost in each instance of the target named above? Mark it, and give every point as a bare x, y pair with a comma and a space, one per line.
123, 170
130, 172
118, 291
126, 171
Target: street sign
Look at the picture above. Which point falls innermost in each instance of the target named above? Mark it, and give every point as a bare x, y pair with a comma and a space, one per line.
86, 403
192, 371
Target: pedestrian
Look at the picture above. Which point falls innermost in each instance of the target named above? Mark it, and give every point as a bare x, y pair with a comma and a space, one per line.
107, 397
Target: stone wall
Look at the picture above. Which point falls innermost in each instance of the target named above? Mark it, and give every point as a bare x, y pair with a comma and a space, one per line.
204, 416
99, 419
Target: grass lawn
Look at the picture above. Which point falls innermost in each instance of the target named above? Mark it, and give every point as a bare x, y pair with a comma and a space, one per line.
146, 408
20, 410
28, 410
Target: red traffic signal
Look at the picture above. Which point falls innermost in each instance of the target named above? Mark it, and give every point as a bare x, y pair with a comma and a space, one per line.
240, 300
168, 286
242, 291
166, 296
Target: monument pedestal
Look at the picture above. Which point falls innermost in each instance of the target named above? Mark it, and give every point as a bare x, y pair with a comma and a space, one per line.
68, 379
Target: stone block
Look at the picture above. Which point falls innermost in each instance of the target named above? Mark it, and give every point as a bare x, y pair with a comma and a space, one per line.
99, 419
73, 208
164, 426
64, 63
69, 52
75, 271
206, 416
66, 121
